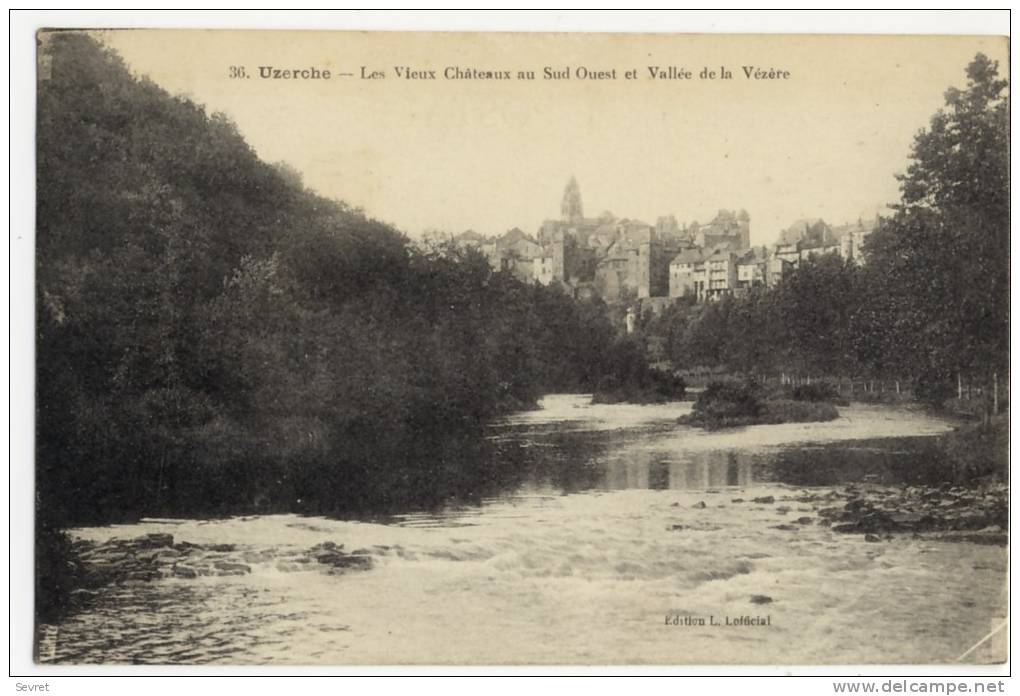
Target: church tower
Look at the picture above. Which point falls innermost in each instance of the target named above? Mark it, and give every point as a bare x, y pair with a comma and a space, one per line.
745, 229
571, 209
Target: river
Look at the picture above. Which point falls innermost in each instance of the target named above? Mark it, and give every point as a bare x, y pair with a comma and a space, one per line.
621, 534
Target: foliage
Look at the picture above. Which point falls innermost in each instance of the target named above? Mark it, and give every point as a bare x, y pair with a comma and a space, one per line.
979, 453
940, 267
625, 376
816, 391
57, 573
735, 403
930, 302
214, 338
729, 399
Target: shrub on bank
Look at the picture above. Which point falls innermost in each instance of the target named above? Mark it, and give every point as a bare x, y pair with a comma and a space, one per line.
730, 399
58, 572
818, 392
979, 452
662, 390
736, 404
887, 396
627, 378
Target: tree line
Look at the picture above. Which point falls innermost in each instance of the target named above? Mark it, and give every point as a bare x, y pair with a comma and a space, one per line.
930, 302
213, 337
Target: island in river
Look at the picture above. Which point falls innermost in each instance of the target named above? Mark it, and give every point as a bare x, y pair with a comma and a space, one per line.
621, 520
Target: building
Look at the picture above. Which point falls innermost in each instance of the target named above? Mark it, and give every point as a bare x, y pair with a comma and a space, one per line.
814, 231
687, 273
812, 238
721, 270
751, 269
851, 238
775, 269
719, 273
728, 228
621, 259
790, 253
810, 250
614, 274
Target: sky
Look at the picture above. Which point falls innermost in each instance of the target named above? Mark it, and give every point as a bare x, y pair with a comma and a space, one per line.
452, 155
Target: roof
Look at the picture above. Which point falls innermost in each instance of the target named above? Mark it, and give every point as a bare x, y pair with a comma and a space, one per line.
634, 223
861, 226
810, 246
719, 251
753, 255
688, 256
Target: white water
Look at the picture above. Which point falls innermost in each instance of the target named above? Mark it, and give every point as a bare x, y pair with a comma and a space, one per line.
538, 576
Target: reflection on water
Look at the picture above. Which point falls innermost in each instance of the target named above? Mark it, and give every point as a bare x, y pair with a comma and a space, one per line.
915, 461
570, 445
698, 470
574, 531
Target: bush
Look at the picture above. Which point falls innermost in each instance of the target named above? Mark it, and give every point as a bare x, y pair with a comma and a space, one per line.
735, 404
818, 391
656, 387
729, 400
57, 573
627, 377
934, 389
668, 385
979, 453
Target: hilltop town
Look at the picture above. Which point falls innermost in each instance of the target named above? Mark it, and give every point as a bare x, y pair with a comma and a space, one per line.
624, 259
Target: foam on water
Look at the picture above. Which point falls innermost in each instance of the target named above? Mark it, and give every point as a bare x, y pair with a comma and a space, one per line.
540, 577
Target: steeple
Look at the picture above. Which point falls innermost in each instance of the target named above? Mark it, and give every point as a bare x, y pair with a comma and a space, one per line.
571, 209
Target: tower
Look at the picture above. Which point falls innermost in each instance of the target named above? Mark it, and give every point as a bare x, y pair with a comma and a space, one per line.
571, 209
745, 229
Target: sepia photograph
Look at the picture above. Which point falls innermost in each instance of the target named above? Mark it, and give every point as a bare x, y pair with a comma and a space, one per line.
505, 348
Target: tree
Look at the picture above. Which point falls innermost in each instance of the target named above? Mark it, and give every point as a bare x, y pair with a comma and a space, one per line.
940, 267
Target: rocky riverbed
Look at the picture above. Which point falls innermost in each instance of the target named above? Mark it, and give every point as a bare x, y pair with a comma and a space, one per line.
622, 542
944, 513
157, 556
948, 512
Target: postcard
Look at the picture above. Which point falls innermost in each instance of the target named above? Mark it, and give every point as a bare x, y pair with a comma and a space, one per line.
396, 348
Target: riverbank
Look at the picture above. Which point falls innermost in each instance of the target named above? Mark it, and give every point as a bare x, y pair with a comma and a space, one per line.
617, 519
771, 412
156, 556
529, 569
734, 404
942, 513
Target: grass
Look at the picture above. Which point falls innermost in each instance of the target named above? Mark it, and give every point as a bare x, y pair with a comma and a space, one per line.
979, 452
